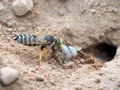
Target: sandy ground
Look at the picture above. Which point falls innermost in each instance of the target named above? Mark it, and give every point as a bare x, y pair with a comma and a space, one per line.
80, 24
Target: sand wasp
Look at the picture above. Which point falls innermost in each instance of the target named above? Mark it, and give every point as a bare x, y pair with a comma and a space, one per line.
59, 51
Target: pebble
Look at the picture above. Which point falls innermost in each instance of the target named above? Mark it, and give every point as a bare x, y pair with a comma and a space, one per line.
61, 13
115, 10
52, 82
82, 61
93, 11
21, 7
68, 65
97, 81
114, 28
83, 10
9, 24
8, 75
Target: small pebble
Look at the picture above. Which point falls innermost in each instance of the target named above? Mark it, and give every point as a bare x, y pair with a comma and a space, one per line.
114, 10
8, 75
68, 65
114, 28
52, 82
97, 81
82, 61
9, 24
93, 11
61, 13
83, 10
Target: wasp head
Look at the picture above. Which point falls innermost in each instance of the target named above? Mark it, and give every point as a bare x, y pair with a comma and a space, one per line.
58, 42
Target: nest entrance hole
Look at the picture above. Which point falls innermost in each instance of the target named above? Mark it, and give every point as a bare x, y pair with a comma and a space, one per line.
103, 52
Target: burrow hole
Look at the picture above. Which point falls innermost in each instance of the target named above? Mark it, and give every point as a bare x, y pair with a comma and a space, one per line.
102, 51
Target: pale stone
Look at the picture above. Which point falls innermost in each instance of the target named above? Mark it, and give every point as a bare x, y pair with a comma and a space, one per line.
68, 52
8, 75
21, 7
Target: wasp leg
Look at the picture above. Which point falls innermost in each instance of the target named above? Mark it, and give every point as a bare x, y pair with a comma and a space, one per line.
44, 51
58, 58
40, 58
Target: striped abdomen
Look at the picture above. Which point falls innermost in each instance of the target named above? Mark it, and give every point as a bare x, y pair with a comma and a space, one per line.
26, 39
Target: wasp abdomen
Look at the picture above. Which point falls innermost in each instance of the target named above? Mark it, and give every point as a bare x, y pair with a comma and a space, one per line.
26, 39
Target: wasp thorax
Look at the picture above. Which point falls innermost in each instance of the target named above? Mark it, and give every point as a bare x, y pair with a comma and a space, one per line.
49, 38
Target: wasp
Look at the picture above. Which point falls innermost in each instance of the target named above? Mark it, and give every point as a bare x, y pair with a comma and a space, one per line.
45, 42
59, 51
